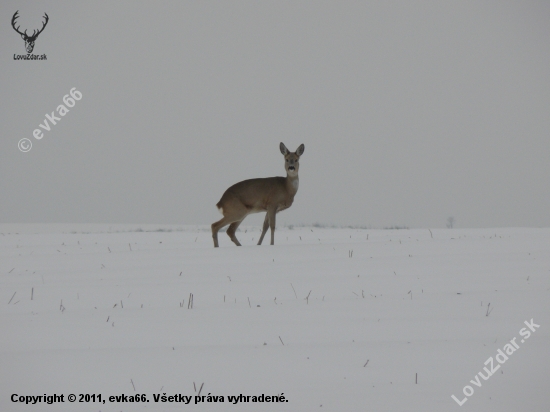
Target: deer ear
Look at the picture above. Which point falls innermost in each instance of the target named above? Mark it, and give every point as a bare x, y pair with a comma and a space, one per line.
300, 150
23, 36
283, 148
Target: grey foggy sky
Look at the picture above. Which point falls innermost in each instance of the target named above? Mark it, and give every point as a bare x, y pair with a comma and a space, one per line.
410, 111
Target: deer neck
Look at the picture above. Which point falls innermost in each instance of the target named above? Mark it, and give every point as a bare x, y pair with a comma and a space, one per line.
292, 183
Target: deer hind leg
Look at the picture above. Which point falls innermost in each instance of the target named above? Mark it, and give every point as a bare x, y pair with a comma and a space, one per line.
233, 212
216, 226
264, 230
231, 231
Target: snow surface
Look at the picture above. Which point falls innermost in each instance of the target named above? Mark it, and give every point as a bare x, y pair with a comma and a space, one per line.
109, 312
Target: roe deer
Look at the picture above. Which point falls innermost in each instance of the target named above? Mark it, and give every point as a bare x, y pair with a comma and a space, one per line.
270, 194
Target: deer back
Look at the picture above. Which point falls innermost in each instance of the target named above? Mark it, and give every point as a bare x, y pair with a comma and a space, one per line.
259, 194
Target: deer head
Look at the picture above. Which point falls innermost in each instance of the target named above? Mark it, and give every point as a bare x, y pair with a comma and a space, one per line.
29, 40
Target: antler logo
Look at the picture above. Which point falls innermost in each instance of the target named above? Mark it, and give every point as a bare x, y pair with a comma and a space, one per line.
29, 40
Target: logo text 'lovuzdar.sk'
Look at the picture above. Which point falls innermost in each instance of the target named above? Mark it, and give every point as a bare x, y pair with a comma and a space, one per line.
29, 39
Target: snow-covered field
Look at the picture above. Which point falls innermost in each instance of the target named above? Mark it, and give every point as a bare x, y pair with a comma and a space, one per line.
333, 319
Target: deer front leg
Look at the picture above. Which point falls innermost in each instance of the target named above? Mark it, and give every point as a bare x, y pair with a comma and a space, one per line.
264, 230
271, 213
